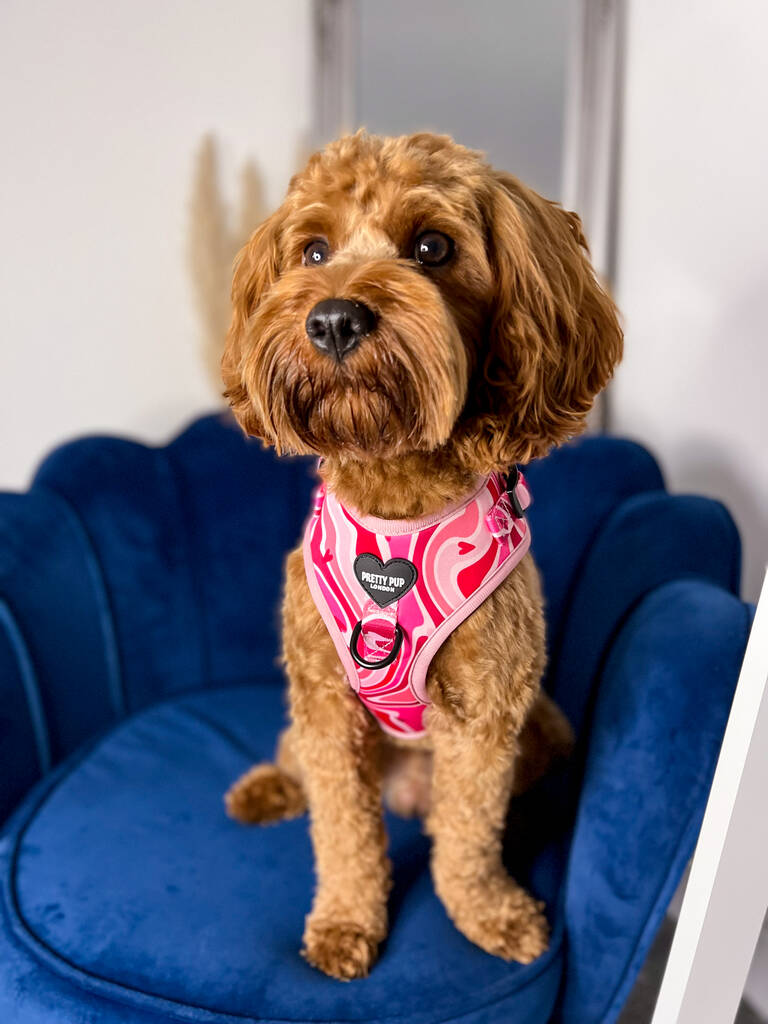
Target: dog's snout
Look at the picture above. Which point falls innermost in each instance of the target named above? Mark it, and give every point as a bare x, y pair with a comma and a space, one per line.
336, 326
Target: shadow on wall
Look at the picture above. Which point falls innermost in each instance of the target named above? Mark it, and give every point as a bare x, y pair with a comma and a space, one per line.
216, 233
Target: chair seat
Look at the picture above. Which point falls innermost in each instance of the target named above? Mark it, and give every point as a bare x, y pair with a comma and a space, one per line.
129, 896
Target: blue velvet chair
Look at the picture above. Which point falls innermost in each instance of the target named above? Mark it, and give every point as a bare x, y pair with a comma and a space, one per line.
138, 678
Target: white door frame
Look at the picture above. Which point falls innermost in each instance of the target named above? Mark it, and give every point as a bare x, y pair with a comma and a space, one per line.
727, 892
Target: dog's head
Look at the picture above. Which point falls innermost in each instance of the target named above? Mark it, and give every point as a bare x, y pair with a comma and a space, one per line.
407, 297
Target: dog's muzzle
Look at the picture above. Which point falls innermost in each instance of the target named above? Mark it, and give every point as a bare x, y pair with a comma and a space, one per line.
336, 326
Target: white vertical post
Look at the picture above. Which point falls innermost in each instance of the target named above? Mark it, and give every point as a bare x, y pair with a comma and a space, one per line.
594, 113
335, 42
593, 123
727, 893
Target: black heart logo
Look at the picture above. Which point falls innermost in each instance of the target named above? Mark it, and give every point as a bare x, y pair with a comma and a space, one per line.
385, 583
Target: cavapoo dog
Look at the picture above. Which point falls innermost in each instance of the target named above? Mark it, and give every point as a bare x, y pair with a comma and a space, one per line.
420, 322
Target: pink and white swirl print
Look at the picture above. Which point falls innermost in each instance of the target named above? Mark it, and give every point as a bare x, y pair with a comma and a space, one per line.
460, 555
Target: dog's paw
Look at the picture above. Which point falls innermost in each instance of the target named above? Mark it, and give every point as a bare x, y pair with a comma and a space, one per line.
265, 794
511, 926
341, 950
521, 935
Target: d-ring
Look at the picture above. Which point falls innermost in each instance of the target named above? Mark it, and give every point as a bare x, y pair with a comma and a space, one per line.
363, 662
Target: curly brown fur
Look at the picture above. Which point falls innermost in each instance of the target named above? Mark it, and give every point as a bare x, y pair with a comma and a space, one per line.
490, 359
269, 792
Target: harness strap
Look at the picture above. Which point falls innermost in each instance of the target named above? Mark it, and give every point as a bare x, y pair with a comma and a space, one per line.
378, 630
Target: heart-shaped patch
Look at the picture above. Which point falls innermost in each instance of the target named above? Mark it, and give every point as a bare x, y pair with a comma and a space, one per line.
385, 583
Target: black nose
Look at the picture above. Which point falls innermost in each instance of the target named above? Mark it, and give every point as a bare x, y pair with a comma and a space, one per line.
335, 326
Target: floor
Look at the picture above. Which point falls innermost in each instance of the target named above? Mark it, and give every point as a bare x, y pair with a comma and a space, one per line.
639, 1008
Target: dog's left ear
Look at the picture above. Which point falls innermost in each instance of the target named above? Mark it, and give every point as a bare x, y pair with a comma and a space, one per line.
257, 267
553, 335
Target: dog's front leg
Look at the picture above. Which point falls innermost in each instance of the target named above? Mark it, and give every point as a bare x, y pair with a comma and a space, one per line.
337, 745
349, 912
486, 681
472, 781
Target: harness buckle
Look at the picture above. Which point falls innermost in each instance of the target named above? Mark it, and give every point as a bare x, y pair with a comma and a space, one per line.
512, 481
508, 507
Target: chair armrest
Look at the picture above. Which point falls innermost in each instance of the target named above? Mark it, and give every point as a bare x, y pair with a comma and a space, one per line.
648, 540
658, 722
58, 681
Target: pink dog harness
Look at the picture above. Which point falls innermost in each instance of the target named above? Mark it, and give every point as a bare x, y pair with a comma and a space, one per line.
391, 591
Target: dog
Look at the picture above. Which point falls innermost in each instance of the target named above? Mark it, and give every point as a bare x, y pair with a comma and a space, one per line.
419, 321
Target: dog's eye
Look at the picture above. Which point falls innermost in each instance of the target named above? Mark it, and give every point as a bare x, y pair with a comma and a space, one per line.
316, 252
433, 248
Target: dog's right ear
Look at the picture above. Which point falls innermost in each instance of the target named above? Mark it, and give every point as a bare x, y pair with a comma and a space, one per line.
257, 266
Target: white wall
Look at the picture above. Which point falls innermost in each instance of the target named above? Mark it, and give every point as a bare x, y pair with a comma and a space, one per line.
102, 108
693, 253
